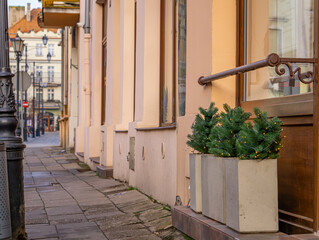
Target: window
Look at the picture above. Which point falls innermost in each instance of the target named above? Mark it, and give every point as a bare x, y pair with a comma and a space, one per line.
51, 49
282, 27
13, 68
38, 74
38, 49
104, 61
181, 59
25, 47
173, 59
38, 96
50, 73
167, 61
50, 94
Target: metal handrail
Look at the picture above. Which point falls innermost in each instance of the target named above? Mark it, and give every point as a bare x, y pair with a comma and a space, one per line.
272, 60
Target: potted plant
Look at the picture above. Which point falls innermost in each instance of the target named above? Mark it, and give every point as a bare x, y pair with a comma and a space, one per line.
251, 179
221, 144
201, 128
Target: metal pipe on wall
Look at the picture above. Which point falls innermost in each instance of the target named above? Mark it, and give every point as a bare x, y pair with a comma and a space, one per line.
87, 24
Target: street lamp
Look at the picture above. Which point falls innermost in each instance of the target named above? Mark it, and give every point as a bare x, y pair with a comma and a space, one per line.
18, 46
8, 124
49, 56
45, 40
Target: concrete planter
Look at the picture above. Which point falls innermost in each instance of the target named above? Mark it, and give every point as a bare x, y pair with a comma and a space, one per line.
195, 181
213, 187
251, 195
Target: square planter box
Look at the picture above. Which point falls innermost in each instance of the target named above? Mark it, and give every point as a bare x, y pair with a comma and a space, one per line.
251, 195
195, 175
213, 187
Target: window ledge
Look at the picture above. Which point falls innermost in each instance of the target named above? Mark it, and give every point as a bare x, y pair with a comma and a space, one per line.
168, 127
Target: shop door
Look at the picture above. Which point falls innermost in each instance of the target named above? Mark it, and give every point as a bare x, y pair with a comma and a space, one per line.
289, 29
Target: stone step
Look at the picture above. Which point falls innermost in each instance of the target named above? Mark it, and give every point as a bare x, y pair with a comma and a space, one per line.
104, 172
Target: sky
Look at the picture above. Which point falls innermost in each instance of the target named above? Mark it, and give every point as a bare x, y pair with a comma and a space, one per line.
34, 3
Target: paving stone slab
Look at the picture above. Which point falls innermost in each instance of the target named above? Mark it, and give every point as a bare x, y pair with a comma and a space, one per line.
63, 219
170, 233
36, 216
153, 214
144, 237
159, 224
136, 233
41, 231
138, 207
63, 210
127, 197
117, 221
83, 230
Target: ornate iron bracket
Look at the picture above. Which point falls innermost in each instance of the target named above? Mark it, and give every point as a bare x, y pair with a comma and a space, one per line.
272, 60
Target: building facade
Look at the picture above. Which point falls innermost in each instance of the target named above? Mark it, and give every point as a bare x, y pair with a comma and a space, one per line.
47, 74
137, 90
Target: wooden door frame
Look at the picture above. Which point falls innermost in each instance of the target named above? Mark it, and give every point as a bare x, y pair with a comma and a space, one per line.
312, 100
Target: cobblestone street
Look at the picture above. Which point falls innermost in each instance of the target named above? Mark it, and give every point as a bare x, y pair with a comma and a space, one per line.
66, 201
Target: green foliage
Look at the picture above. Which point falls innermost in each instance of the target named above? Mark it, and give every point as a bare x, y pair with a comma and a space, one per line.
204, 122
260, 140
222, 140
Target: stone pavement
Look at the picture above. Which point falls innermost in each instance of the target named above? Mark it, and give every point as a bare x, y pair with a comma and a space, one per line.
46, 140
65, 201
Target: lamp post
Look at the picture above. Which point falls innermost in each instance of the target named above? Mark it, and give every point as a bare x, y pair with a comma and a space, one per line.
8, 125
25, 126
39, 104
42, 109
33, 101
18, 46
49, 56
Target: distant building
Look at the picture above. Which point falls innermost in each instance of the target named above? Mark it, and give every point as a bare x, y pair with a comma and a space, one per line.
15, 14
49, 73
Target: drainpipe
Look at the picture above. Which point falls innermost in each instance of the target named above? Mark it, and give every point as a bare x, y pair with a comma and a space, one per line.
87, 25
66, 60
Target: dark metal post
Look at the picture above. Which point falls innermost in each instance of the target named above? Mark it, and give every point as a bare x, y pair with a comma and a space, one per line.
42, 111
38, 105
25, 126
18, 86
8, 125
33, 102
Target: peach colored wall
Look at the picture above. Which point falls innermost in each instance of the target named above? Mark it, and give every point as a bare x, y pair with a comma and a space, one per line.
224, 50
120, 149
156, 174
112, 82
148, 63
92, 142
126, 63
198, 63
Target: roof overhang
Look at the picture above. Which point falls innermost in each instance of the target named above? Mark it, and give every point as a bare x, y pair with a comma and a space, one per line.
58, 16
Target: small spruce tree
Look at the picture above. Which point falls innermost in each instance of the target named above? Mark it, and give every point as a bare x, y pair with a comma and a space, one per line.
260, 140
201, 128
222, 140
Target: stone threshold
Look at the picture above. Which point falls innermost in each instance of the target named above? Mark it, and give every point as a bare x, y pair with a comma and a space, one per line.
104, 172
197, 226
95, 160
81, 154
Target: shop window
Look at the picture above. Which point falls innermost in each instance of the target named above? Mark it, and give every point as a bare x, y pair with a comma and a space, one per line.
283, 27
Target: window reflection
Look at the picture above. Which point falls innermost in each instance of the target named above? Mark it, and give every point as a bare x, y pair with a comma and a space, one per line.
284, 27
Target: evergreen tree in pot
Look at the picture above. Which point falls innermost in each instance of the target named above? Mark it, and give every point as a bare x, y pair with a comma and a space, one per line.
201, 128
